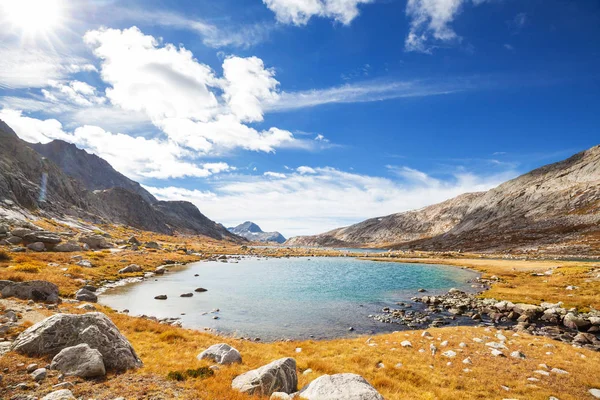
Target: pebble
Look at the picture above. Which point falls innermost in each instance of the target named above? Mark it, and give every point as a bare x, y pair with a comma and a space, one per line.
406, 343
467, 361
559, 371
298, 350
449, 354
307, 371
39, 374
497, 353
595, 393
31, 368
517, 354
541, 372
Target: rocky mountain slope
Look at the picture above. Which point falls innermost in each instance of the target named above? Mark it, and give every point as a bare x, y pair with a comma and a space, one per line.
554, 208
88, 188
251, 231
90, 170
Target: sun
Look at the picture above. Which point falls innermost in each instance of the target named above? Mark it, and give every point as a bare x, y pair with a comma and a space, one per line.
32, 17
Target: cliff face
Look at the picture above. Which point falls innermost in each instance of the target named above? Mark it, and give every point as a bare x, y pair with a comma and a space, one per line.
90, 170
57, 179
555, 205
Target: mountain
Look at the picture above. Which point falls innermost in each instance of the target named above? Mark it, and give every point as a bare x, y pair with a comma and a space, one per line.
92, 171
59, 180
552, 208
252, 232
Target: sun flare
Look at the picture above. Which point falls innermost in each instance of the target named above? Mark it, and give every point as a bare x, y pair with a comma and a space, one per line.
32, 17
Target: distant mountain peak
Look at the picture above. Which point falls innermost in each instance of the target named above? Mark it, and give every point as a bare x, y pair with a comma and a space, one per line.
252, 231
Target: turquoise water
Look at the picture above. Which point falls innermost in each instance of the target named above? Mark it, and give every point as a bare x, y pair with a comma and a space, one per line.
286, 297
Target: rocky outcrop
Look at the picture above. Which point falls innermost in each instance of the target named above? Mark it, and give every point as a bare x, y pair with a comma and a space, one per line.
252, 232
86, 295
278, 376
31, 290
340, 387
221, 354
52, 335
80, 360
555, 207
95, 241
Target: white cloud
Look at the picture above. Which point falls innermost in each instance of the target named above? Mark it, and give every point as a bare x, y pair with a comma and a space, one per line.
430, 23
271, 174
306, 170
248, 85
74, 92
299, 12
25, 67
364, 92
33, 130
164, 82
213, 36
136, 157
184, 98
302, 203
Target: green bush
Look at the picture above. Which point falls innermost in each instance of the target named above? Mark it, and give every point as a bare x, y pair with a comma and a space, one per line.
202, 372
175, 376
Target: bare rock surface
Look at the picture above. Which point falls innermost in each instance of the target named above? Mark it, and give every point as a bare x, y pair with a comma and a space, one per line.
60, 331
80, 360
31, 290
340, 387
278, 376
221, 354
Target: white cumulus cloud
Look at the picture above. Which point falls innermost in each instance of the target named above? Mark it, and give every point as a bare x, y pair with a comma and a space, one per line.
299, 12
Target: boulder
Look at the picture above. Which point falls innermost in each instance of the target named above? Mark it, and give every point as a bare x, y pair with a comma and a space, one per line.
221, 354
280, 396
21, 232
160, 270
576, 322
529, 310
62, 394
39, 374
80, 360
152, 245
3, 229
340, 387
130, 268
86, 295
14, 240
42, 236
31, 290
95, 241
68, 247
278, 376
134, 240
85, 263
50, 336
36, 246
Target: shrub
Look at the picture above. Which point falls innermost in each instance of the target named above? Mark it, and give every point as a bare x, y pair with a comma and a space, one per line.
202, 372
4, 256
176, 376
171, 336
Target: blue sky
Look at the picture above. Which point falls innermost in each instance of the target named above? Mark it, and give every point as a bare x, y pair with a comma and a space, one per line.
306, 115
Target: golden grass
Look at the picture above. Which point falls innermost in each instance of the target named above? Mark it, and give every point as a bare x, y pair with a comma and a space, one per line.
422, 376
167, 349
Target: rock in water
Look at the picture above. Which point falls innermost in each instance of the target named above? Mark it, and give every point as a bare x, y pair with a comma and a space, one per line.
278, 376
60, 331
80, 360
221, 354
31, 290
340, 387
63, 394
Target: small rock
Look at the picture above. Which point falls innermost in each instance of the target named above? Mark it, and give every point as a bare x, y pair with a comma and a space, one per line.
449, 354
160, 297
31, 368
595, 393
39, 374
222, 354
62, 394
406, 343
200, 290
517, 354
186, 295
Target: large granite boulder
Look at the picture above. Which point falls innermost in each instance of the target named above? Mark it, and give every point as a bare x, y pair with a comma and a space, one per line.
62, 394
21, 232
80, 360
130, 268
221, 354
278, 376
36, 246
340, 387
31, 290
60, 331
95, 241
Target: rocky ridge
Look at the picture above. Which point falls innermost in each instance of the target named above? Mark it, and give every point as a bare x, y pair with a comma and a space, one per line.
555, 208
